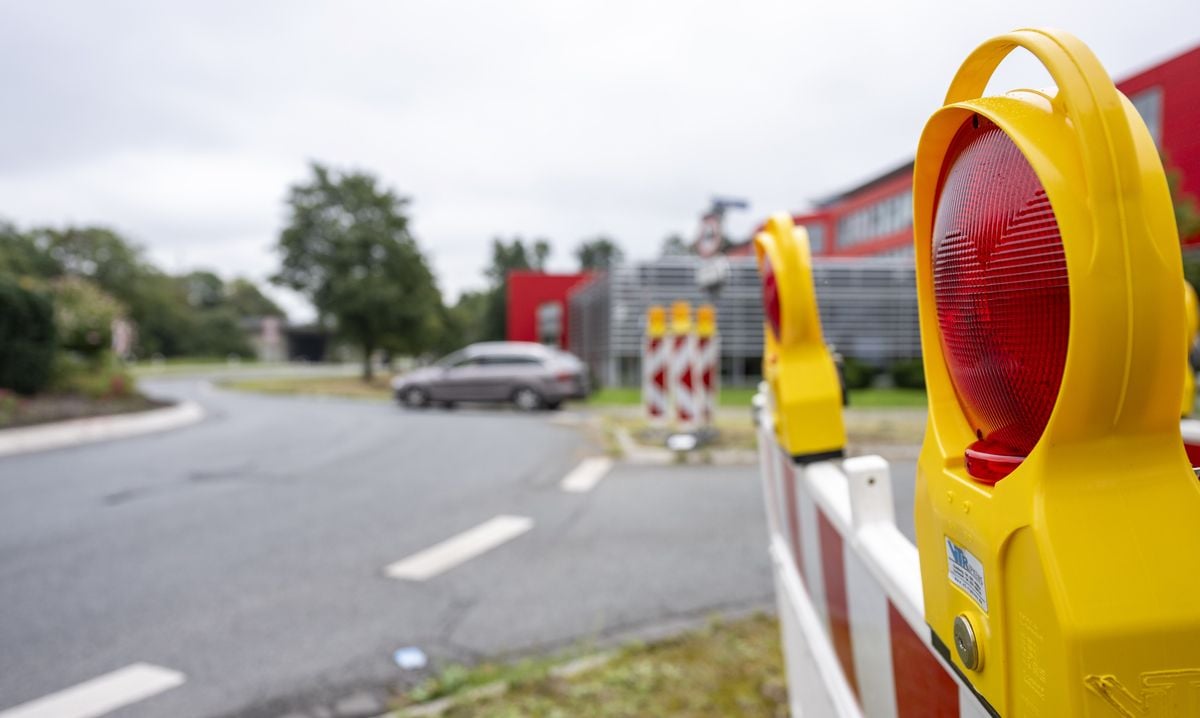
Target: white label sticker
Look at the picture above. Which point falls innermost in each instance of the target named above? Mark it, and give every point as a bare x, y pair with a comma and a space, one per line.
966, 572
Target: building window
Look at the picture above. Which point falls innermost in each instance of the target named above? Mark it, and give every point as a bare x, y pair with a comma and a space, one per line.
816, 237
1148, 103
885, 217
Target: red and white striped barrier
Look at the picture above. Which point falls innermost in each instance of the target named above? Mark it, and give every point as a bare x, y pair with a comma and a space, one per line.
848, 585
707, 375
682, 379
707, 367
654, 378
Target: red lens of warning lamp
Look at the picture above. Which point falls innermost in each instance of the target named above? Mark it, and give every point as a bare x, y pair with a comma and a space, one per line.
770, 295
1001, 290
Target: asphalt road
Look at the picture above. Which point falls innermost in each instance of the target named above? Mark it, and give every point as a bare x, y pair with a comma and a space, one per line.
247, 552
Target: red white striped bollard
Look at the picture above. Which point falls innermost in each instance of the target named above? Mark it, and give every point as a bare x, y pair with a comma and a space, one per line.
654, 366
682, 363
707, 369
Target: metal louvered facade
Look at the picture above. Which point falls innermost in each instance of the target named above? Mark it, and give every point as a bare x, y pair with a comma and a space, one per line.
868, 311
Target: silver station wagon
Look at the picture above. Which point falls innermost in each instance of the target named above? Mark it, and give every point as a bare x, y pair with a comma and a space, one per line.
532, 376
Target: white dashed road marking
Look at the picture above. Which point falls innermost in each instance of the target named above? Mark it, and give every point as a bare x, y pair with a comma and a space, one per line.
453, 551
583, 478
100, 695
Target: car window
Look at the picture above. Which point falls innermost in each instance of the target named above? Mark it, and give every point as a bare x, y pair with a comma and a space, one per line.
468, 361
510, 360
451, 359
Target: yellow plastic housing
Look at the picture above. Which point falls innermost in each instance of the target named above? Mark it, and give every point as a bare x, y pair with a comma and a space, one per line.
656, 322
797, 365
681, 318
1192, 312
1090, 549
706, 320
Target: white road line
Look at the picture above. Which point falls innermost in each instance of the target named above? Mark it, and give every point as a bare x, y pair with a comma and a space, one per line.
583, 478
453, 551
101, 695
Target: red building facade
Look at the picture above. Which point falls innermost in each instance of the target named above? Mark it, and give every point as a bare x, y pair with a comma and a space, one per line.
1168, 98
536, 308
875, 218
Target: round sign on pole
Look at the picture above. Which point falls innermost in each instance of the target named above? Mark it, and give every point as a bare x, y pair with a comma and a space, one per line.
708, 240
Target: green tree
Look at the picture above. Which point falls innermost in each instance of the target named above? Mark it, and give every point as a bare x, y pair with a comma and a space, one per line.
347, 247
84, 314
95, 253
155, 301
599, 253
158, 306
203, 289
1187, 213
541, 253
247, 300
21, 255
217, 333
464, 321
193, 314
1187, 221
674, 246
507, 256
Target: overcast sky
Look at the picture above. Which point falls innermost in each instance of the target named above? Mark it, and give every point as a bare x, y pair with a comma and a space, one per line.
182, 124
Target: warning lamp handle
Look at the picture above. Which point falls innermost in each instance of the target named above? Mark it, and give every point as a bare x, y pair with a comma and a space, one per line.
1089, 96
785, 247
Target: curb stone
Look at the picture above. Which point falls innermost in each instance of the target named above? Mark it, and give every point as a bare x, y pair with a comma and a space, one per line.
73, 432
635, 453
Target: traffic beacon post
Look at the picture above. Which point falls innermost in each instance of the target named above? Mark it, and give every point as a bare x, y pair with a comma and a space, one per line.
654, 366
707, 371
797, 365
681, 363
1057, 517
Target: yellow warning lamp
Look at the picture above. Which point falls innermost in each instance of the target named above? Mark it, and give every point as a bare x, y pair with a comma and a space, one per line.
1192, 312
1057, 516
796, 363
706, 320
656, 322
681, 318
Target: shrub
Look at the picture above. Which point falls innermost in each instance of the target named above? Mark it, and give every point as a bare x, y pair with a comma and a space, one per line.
84, 315
859, 375
99, 378
27, 338
908, 374
9, 404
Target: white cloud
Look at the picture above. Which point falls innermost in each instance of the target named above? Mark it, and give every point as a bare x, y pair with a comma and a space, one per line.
183, 125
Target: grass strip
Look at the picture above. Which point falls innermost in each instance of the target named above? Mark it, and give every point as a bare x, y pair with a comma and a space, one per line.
726, 668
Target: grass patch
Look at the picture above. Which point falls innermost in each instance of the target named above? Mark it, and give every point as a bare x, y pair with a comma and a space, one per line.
888, 398
632, 396
891, 427
741, 396
351, 387
193, 365
354, 388
727, 668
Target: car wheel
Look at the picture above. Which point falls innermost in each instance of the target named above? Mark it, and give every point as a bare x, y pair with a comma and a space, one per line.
415, 398
527, 399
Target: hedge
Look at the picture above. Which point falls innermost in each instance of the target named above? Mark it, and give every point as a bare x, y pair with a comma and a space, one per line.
27, 338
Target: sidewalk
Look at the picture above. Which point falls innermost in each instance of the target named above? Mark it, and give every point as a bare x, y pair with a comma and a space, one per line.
895, 434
